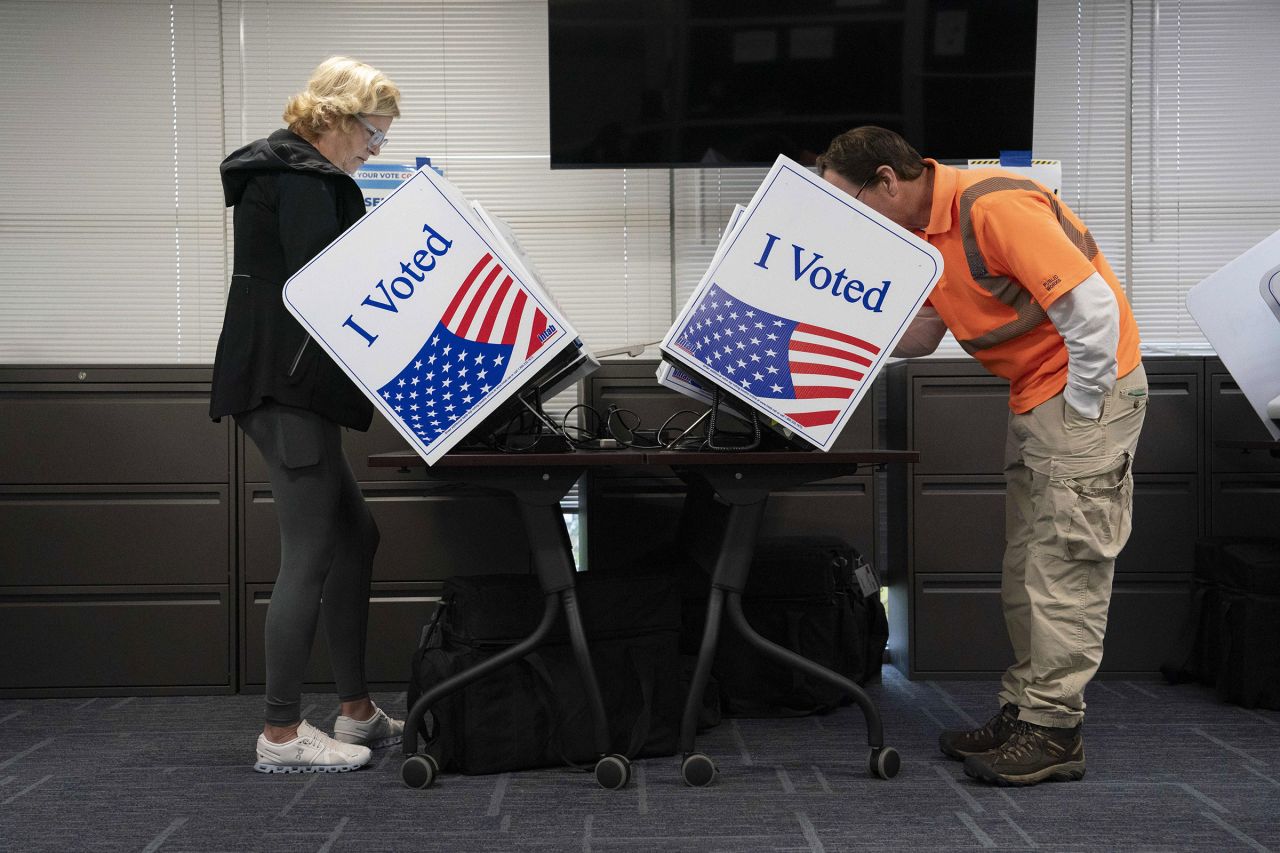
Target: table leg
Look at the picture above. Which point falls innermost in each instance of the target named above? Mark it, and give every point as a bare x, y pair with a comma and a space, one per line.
538, 495
732, 564
747, 496
553, 561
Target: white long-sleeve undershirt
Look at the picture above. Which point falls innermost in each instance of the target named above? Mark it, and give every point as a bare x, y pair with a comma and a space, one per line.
1088, 318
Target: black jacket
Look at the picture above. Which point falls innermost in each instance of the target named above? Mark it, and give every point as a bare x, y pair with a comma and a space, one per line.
290, 202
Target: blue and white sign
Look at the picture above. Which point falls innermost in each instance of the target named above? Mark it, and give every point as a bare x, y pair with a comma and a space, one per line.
378, 182
429, 312
803, 303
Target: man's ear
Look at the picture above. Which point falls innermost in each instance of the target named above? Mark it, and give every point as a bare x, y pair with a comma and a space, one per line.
888, 177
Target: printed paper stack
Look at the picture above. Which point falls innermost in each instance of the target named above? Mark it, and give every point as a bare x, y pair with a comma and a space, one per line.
804, 300
432, 311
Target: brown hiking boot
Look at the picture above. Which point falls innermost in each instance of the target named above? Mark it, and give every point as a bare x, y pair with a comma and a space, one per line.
1034, 754
960, 745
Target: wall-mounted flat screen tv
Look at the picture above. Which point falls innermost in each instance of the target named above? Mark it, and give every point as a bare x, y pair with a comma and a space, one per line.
737, 82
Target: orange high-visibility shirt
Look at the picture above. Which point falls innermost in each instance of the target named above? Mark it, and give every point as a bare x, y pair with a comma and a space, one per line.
1010, 247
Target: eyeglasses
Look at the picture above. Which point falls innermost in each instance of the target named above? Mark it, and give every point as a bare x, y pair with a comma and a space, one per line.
377, 138
865, 184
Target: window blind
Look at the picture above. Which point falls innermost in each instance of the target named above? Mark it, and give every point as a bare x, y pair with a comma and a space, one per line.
702, 202
1205, 117
112, 233
115, 242
473, 80
1082, 114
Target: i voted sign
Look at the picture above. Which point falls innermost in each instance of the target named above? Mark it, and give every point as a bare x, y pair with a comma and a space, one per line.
429, 313
803, 303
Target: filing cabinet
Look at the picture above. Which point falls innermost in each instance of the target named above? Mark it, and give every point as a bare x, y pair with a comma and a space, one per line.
116, 532
947, 520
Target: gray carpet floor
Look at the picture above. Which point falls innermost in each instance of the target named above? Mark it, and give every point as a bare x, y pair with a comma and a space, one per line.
1169, 768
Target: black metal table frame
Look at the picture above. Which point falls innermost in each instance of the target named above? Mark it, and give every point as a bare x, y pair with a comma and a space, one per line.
743, 481
538, 488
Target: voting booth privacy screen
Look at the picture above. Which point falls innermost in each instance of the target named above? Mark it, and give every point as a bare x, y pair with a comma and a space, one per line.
1238, 309
801, 305
433, 314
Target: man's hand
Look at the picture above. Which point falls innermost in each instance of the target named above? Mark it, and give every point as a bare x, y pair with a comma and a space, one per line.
922, 336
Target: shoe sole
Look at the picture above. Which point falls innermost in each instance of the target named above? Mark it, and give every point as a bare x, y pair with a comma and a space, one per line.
310, 768
961, 755
1072, 771
377, 744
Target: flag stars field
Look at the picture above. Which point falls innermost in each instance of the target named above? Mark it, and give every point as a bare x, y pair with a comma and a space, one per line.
814, 373
491, 322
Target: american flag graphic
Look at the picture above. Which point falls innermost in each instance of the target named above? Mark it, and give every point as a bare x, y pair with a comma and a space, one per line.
803, 371
490, 324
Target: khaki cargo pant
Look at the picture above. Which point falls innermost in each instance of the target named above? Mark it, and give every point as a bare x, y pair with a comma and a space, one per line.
1068, 512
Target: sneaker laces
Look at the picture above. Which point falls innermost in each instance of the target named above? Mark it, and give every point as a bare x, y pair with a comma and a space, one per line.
993, 726
318, 739
1022, 743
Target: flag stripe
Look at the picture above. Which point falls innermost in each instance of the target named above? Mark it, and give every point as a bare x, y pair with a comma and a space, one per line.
495, 308
818, 349
808, 392
539, 324
825, 370
805, 328
812, 419
474, 304
462, 291
805, 373
480, 304
504, 314
513, 319
829, 361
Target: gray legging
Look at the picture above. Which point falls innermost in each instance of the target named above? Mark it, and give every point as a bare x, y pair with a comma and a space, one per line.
327, 542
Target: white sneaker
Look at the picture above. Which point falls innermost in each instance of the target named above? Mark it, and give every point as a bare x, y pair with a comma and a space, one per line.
312, 751
377, 731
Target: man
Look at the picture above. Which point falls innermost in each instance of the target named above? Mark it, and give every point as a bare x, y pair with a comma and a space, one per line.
1025, 291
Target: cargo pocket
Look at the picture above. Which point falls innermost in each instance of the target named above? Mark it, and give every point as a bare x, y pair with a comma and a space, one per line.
299, 436
1092, 508
1074, 420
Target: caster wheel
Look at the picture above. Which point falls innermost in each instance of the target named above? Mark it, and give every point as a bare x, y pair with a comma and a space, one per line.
697, 770
613, 772
884, 762
419, 771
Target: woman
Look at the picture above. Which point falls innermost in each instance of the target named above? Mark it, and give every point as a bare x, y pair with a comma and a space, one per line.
293, 195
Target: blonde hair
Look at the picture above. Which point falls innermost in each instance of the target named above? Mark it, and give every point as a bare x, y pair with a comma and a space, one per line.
340, 88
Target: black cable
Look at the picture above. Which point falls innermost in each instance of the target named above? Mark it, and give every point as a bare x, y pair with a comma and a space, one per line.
518, 428
581, 437
694, 442
524, 432
595, 430
631, 433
